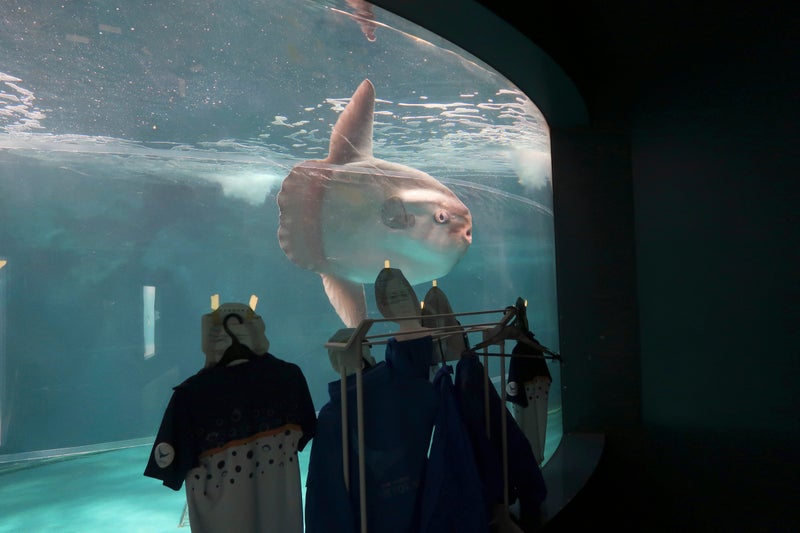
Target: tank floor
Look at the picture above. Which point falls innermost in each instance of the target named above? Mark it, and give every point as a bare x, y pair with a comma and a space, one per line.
107, 492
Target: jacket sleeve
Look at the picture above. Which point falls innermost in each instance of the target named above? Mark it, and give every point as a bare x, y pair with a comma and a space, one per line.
328, 507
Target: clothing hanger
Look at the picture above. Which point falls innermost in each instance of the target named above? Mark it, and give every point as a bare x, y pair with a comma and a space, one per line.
236, 351
515, 331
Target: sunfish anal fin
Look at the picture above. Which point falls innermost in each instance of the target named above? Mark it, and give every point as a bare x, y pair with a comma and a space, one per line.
347, 298
351, 139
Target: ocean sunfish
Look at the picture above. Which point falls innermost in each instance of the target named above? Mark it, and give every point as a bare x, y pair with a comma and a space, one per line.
344, 215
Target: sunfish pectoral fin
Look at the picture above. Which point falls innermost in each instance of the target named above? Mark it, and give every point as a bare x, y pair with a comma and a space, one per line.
347, 298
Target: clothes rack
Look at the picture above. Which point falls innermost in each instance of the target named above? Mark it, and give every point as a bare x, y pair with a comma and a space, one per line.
350, 343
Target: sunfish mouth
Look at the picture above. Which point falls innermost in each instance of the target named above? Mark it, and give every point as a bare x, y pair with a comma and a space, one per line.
462, 227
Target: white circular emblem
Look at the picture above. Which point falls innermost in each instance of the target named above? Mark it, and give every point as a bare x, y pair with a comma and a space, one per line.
511, 388
164, 454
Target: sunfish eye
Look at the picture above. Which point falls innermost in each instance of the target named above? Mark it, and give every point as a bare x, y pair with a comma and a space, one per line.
441, 216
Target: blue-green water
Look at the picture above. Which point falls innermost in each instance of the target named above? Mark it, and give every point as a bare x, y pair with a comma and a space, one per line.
142, 144
106, 492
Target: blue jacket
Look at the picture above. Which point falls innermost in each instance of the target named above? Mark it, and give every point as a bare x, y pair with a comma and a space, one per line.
399, 411
525, 481
452, 499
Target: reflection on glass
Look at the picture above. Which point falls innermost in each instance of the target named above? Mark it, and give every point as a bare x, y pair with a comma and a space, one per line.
149, 320
3, 377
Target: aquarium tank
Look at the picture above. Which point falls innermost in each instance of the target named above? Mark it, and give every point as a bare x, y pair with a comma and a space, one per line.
143, 145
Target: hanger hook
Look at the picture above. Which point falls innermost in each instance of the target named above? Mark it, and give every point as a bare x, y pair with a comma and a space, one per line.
228, 331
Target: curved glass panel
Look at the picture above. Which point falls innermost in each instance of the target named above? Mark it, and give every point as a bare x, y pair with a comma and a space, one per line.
142, 147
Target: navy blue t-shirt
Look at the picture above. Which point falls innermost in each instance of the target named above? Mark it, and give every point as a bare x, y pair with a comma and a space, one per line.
232, 434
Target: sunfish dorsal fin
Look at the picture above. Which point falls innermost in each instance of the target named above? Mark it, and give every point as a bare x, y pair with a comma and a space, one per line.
351, 138
347, 298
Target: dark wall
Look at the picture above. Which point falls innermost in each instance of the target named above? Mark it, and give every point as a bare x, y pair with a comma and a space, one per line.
596, 278
715, 161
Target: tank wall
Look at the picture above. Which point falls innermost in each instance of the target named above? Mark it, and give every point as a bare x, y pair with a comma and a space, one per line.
139, 169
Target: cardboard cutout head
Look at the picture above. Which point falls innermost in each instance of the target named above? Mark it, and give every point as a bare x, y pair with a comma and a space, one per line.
394, 295
215, 340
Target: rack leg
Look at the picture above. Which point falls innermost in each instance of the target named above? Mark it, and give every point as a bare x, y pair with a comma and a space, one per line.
504, 422
345, 450
362, 468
